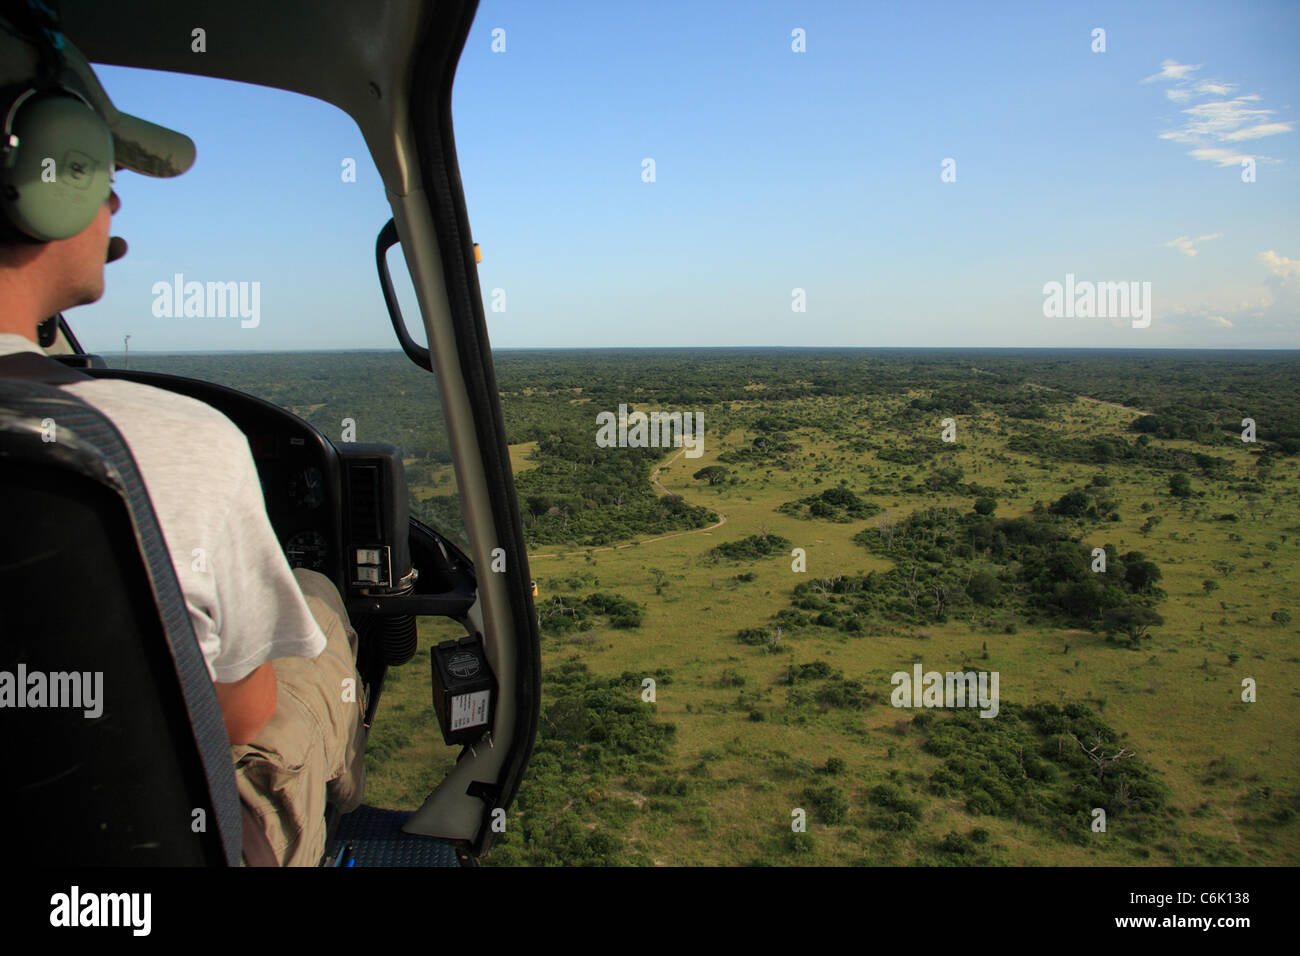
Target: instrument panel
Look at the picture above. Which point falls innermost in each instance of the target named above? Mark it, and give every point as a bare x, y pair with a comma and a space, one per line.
296, 490
339, 511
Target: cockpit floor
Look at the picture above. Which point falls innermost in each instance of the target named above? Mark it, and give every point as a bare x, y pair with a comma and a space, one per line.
376, 839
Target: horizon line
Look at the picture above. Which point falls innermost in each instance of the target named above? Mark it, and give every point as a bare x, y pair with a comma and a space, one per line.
734, 348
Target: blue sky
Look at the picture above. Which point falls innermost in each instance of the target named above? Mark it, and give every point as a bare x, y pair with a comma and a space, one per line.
774, 170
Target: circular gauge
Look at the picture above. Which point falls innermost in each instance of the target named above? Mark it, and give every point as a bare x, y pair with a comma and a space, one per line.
307, 489
307, 549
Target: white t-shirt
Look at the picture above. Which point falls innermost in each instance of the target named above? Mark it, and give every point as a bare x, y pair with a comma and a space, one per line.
244, 604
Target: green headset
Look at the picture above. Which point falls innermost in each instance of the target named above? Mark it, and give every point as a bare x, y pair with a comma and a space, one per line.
56, 155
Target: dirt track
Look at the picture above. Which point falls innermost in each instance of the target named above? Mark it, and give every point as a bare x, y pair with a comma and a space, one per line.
1095, 401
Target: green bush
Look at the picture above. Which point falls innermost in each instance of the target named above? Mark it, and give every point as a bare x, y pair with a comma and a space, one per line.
829, 801
750, 548
591, 730
892, 809
1026, 765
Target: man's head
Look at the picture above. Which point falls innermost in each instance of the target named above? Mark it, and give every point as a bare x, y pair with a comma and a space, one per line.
62, 141
57, 274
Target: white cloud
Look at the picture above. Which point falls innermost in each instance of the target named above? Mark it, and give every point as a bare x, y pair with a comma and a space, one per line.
1208, 125
1280, 265
1171, 70
1222, 116
1214, 88
1255, 132
1265, 314
1224, 157
1187, 245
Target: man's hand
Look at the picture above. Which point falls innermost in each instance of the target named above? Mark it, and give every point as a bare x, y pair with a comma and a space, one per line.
248, 705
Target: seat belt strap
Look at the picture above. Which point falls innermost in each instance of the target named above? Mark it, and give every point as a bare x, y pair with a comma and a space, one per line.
192, 675
39, 368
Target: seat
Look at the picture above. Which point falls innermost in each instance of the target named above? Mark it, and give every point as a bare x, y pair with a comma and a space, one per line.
87, 588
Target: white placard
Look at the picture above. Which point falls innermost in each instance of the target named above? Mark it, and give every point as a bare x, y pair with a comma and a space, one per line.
469, 710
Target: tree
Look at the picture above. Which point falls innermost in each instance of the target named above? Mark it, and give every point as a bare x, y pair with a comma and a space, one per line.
984, 587
841, 497
1103, 760
1139, 573
672, 504
887, 528
1073, 504
1134, 620
940, 601
713, 474
1180, 486
1082, 599
985, 506
660, 579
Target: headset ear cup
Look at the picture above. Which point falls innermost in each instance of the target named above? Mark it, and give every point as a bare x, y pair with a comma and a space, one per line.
60, 170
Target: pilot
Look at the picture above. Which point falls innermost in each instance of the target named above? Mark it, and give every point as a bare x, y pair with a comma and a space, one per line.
277, 641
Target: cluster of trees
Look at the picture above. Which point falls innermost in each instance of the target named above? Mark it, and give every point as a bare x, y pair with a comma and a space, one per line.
766, 638
892, 809
593, 734
565, 613
833, 504
1199, 396
828, 802
1179, 422
914, 452
1092, 502
765, 447
392, 400
1047, 766
753, 547
944, 400
946, 478
583, 494
1046, 444
947, 561
819, 684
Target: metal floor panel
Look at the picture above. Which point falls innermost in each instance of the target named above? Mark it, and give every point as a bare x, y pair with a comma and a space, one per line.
377, 840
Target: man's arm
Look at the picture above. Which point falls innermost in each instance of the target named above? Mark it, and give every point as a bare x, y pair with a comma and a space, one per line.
247, 705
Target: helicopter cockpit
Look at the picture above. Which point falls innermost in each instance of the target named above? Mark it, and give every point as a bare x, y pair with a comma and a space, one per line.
88, 585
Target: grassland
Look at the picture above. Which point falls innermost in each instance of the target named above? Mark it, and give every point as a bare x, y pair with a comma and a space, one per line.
749, 746
1231, 767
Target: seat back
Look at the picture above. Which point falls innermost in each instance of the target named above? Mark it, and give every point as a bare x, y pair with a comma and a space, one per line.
112, 743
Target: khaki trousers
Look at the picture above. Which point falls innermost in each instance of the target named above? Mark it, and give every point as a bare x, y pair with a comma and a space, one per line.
313, 749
